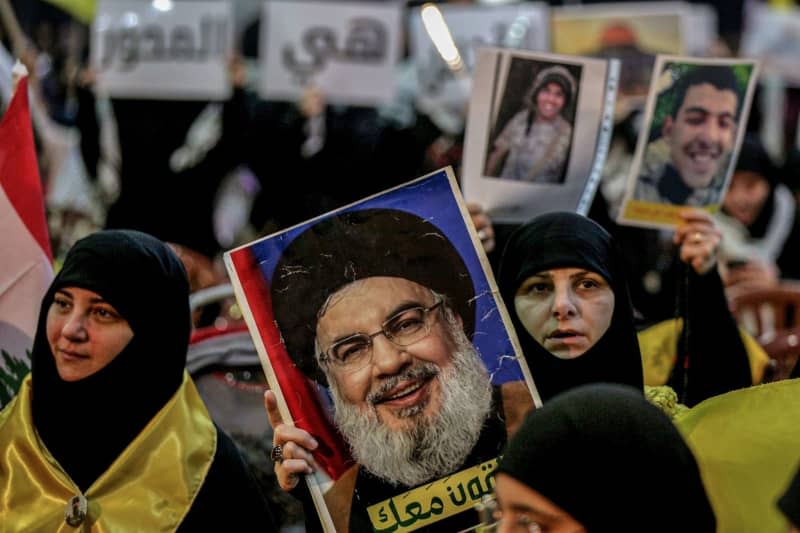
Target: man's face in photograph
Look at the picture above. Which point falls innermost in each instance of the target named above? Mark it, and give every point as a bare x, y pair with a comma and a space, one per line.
410, 412
702, 133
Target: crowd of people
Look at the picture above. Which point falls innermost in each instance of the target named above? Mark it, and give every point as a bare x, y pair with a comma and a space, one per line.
613, 438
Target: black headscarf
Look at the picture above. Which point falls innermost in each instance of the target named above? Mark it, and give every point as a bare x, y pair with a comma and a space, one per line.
612, 460
86, 424
569, 240
753, 157
789, 502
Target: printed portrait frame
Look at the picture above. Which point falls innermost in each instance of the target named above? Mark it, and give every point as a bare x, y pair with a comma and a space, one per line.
304, 403
510, 201
638, 31
638, 208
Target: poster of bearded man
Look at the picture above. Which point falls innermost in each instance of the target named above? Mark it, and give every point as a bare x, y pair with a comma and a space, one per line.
396, 373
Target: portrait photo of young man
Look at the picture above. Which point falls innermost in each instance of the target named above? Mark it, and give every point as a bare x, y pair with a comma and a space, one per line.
687, 162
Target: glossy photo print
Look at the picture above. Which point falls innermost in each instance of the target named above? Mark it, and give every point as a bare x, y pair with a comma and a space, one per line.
381, 331
634, 33
696, 116
534, 128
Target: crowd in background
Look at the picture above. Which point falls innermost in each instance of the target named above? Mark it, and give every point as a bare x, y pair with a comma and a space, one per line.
209, 176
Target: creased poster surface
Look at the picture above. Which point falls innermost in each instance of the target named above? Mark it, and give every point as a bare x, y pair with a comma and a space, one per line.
695, 119
535, 120
381, 332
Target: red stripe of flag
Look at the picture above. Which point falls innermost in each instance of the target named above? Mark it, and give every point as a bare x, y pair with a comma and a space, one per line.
19, 170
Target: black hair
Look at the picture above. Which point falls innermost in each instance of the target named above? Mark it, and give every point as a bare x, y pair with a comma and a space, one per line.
720, 77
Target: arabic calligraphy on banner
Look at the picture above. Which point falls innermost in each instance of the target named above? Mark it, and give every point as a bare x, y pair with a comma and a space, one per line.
348, 50
433, 502
182, 52
364, 43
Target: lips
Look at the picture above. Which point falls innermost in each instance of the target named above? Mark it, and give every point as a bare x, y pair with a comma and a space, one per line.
70, 354
405, 393
703, 156
564, 334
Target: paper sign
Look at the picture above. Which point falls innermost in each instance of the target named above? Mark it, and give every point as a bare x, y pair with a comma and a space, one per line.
382, 333
163, 50
348, 50
534, 131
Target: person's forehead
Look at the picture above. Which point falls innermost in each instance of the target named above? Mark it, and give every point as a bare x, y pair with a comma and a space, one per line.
381, 288
710, 99
749, 177
368, 300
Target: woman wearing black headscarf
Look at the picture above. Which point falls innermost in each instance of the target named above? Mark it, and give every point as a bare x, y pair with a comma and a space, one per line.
714, 355
108, 431
570, 241
759, 222
601, 458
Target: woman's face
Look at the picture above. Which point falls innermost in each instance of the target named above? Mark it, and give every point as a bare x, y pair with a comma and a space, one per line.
525, 510
85, 332
746, 196
549, 101
566, 310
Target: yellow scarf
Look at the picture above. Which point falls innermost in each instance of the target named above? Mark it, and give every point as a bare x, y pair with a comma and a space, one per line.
659, 346
747, 443
149, 487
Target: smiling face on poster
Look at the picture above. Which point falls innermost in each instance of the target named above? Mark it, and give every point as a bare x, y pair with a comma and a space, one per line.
532, 139
531, 118
696, 116
379, 330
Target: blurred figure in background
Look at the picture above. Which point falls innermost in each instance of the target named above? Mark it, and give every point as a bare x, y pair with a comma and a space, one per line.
759, 222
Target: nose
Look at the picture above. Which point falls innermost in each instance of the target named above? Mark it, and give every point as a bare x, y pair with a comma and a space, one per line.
564, 302
710, 131
75, 328
387, 357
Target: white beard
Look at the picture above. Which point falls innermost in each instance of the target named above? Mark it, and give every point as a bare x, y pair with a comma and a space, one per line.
437, 444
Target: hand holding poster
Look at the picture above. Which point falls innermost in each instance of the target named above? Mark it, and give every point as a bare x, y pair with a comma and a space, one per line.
380, 333
695, 119
534, 131
163, 50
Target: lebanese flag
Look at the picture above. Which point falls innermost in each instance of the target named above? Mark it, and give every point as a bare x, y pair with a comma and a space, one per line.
25, 257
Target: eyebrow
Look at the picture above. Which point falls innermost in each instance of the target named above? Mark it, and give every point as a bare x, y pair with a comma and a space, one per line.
403, 306
521, 508
579, 273
92, 300
704, 111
